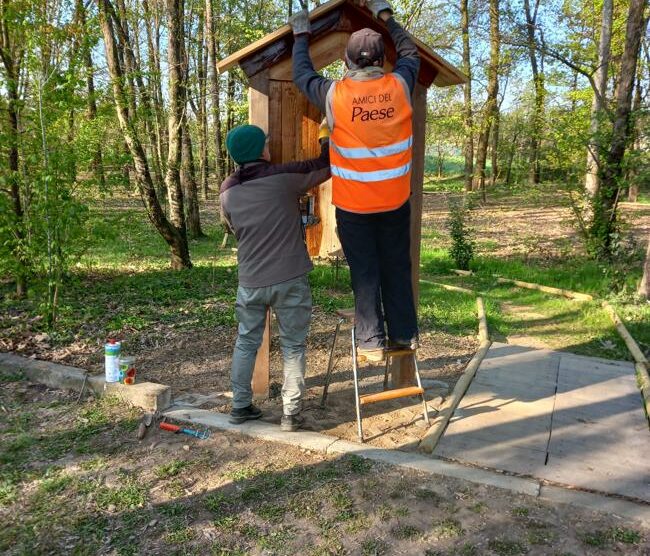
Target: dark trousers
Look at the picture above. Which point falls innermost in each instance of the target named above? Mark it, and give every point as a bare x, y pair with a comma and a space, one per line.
377, 248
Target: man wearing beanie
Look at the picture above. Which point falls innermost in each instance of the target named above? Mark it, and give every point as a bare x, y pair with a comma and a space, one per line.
260, 204
369, 114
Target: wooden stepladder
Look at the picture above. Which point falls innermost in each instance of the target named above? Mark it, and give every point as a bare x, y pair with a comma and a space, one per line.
386, 394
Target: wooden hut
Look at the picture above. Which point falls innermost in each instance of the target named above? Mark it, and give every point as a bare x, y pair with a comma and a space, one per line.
278, 107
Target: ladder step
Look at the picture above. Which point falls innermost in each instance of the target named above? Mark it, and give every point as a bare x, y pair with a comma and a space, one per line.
391, 394
397, 352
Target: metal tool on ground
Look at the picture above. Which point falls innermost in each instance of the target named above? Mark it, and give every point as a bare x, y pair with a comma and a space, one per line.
386, 394
202, 435
146, 422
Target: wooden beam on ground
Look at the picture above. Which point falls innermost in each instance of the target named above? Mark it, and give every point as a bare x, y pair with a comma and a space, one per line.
448, 287
630, 342
641, 361
462, 272
432, 436
644, 384
483, 335
547, 289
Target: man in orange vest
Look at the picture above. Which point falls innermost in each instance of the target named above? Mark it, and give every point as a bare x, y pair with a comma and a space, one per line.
369, 114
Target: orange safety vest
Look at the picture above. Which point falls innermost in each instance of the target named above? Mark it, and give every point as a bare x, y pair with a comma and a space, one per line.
371, 144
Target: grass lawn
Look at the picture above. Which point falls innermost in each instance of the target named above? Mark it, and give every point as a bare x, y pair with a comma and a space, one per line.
123, 287
74, 480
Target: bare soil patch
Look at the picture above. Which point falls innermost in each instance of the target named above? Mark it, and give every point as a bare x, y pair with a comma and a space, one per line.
103, 492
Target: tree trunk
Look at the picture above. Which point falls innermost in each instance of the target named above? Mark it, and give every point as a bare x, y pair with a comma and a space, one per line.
190, 189
511, 156
632, 177
468, 147
611, 169
230, 116
538, 83
210, 26
177, 241
11, 55
598, 101
202, 64
188, 170
494, 147
491, 102
152, 27
134, 78
644, 286
91, 109
177, 99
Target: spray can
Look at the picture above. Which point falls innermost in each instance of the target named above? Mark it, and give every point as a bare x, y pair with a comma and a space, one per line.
112, 360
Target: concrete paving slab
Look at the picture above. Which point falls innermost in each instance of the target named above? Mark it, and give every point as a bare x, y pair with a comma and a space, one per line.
593, 366
570, 419
492, 454
590, 474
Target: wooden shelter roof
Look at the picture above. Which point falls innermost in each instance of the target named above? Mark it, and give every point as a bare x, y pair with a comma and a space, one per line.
337, 16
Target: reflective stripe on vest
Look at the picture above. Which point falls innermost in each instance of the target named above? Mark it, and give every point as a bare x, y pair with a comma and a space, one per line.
363, 152
366, 177
371, 144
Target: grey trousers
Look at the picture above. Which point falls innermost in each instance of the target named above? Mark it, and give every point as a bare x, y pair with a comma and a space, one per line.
291, 303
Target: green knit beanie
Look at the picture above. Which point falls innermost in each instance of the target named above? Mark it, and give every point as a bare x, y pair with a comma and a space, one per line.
245, 143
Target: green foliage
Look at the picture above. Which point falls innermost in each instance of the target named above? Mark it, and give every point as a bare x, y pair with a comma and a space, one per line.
462, 244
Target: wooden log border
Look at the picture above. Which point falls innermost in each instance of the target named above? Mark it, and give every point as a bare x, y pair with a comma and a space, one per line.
483, 334
546, 289
432, 436
448, 287
641, 362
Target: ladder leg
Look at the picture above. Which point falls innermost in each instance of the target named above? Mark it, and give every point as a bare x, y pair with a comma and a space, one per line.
386, 371
355, 372
425, 409
330, 365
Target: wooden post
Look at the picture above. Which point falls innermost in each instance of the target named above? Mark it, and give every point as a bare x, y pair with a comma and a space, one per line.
262, 370
402, 369
279, 109
259, 114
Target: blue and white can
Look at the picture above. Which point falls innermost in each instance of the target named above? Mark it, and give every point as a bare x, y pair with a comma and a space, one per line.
112, 360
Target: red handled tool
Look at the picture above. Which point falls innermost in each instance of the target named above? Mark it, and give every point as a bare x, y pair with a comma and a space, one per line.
176, 429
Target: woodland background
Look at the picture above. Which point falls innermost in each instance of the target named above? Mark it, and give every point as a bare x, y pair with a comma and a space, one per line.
102, 100
112, 128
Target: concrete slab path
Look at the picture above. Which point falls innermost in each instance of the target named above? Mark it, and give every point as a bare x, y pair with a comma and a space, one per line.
574, 420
